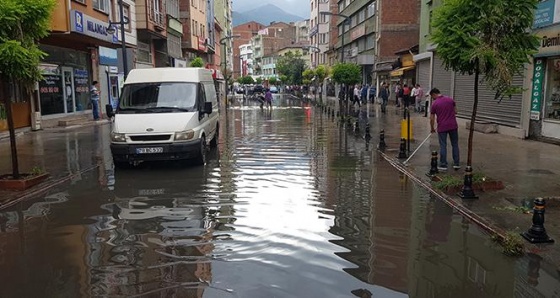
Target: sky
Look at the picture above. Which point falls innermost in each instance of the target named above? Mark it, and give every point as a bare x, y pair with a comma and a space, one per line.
297, 7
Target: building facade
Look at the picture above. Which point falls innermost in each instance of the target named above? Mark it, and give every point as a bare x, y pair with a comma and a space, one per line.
246, 59
319, 32
506, 115
542, 103
276, 36
243, 33
195, 29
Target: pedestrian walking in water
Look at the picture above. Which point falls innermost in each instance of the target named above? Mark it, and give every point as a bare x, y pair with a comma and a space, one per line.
444, 110
268, 98
384, 96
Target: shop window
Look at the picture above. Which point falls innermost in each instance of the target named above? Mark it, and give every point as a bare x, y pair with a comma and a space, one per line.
144, 52
552, 95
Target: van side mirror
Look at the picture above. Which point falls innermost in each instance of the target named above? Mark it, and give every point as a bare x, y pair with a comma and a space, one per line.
109, 111
207, 107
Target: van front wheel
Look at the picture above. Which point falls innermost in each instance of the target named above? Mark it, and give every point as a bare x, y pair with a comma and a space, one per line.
201, 157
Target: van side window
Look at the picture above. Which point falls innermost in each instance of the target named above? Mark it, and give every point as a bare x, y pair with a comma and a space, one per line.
201, 96
211, 93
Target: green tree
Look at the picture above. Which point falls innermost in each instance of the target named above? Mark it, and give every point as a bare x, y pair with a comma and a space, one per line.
292, 66
272, 81
259, 80
321, 73
247, 80
24, 22
308, 76
197, 62
488, 38
346, 73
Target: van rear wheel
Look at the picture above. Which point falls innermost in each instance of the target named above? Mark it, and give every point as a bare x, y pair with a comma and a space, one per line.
201, 157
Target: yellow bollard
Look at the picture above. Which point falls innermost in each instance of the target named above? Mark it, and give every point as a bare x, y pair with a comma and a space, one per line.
404, 129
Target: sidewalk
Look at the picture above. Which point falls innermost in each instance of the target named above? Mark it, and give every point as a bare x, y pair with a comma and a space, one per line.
528, 169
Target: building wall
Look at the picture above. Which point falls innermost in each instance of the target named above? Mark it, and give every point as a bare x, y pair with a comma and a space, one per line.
245, 32
400, 27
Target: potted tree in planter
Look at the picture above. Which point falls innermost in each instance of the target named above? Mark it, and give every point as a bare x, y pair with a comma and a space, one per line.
24, 22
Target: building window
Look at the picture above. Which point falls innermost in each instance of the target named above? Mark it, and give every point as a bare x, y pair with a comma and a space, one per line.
552, 94
370, 41
323, 38
371, 10
361, 15
126, 10
144, 52
340, 6
173, 8
101, 5
80, 1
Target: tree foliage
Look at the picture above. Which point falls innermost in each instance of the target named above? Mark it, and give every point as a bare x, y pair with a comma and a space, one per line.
272, 81
292, 66
24, 22
246, 80
322, 72
308, 76
346, 73
259, 80
490, 37
197, 62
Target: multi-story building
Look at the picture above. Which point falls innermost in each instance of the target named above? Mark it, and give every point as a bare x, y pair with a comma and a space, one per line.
246, 59
80, 49
152, 34
302, 30
270, 40
174, 34
223, 24
319, 33
195, 30
243, 33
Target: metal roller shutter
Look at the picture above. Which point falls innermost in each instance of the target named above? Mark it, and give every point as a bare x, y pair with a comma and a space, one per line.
423, 73
442, 77
507, 112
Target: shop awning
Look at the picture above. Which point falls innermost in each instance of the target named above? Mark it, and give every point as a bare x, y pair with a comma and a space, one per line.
400, 71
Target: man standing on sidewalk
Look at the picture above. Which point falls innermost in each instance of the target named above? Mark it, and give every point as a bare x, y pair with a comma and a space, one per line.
384, 96
95, 100
444, 109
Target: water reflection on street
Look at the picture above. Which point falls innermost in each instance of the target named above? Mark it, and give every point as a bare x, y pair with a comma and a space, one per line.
290, 205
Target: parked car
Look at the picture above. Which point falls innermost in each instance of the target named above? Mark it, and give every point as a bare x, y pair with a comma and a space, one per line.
258, 89
273, 89
240, 90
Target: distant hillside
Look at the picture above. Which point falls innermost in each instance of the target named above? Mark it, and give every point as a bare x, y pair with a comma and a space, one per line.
265, 15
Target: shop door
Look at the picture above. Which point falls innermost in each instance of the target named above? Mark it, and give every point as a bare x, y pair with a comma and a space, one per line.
114, 88
69, 95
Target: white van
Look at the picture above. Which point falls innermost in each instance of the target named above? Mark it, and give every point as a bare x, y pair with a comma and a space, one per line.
165, 114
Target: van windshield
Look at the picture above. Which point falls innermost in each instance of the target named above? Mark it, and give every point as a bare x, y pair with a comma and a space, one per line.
158, 97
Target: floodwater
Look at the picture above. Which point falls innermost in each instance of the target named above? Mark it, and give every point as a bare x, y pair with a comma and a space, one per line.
289, 205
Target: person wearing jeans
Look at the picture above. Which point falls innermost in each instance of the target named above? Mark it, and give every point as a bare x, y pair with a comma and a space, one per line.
444, 110
95, 99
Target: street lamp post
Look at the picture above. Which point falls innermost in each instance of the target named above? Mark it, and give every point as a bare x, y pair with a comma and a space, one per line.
346, 21
317, 51
222, 42
111, 30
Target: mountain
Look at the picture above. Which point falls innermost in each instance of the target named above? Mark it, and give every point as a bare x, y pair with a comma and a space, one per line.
264, 14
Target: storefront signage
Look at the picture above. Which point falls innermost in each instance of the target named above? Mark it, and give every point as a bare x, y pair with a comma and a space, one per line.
202, 44
51, 84
90, 26
549, 44
536, 92
81, 84
547, 13
108, 56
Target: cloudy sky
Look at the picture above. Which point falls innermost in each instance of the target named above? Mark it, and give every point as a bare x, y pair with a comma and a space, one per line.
297, 7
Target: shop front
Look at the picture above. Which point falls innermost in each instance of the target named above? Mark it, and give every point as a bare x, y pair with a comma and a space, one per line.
545, 90
404, 69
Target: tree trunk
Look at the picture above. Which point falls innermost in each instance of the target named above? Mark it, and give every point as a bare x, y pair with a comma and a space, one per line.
8, 106
473, 118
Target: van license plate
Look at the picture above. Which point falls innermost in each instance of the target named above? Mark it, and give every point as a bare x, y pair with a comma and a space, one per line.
149, 150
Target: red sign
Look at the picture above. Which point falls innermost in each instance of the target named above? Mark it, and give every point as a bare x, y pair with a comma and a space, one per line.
202, 44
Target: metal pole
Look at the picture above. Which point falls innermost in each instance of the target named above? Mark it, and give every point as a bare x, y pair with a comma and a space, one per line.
342, 43
225, 73
123, 41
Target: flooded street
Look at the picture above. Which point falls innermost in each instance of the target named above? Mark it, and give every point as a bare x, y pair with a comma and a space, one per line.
288, 205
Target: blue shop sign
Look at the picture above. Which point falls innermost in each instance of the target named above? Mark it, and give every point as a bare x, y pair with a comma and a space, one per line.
108, 56
90, 26
547, 13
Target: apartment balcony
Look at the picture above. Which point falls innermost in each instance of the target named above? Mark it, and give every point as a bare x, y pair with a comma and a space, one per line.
151, 18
